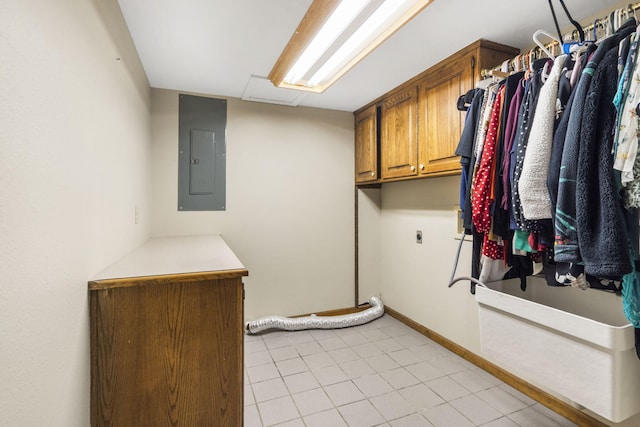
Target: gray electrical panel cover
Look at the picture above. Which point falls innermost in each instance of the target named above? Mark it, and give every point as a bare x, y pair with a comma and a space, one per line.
202, 153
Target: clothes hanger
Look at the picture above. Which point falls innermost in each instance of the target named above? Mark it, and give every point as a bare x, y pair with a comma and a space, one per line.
505, 66
604, 28
631, 10
575, 23
515, 63
531, 58
570, 45
541, 45
623, 16
601, 28
596, 22
565, 47
612, 23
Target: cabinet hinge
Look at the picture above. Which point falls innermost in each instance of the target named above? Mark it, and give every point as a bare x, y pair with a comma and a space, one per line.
243, 294
473, 62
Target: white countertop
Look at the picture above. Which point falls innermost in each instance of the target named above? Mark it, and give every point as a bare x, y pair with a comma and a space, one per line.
174, 255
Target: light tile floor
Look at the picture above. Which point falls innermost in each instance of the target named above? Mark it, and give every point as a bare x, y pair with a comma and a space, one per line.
379, 374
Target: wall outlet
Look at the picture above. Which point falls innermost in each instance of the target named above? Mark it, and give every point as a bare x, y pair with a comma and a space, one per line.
419, 236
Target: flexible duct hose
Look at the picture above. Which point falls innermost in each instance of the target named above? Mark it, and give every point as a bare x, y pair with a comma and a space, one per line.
317, 322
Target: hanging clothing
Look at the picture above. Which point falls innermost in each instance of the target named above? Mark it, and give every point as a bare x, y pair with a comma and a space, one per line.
465, 150
627, 100
527, 113
560, 156
534, 196
560, 135
485, 116
566, 221
481, 196
510, 134
503, 146
601, 227
588, 211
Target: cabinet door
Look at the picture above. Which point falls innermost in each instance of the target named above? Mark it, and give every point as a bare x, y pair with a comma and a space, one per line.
366, 145
399, 144
168, 351
439, 121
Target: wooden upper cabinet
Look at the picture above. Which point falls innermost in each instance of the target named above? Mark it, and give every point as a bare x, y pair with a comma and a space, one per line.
366, 139
439, 121
399, 134
419, 124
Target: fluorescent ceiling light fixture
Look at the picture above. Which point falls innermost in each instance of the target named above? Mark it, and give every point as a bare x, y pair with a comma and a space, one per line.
334, 36
335, 25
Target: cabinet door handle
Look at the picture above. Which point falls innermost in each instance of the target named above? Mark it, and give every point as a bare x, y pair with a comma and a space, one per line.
373, 174
421, 167
413, 168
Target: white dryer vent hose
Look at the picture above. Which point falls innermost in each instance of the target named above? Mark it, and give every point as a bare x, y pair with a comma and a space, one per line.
317, 322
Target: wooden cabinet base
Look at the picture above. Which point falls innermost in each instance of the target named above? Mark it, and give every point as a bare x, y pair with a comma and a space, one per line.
167, 337
167, 354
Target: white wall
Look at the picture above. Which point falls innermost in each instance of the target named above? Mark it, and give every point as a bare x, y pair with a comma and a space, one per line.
415, 276
74, 163
369, 243
290, 201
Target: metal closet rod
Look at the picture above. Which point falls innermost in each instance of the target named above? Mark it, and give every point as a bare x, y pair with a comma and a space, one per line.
571, 36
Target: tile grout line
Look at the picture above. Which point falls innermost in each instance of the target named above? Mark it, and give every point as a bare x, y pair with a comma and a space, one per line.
373, 336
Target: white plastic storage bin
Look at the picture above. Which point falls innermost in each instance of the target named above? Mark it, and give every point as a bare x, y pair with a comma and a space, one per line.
570, 341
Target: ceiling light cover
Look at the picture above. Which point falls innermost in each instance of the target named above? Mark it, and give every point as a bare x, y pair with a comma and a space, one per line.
334, 36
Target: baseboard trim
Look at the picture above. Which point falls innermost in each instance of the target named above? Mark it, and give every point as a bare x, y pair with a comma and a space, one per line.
338, 312
551, 402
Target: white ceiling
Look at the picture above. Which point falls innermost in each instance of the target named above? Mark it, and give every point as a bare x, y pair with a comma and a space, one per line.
214, 46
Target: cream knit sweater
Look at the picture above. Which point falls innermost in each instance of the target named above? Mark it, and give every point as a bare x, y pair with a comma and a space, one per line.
532, 186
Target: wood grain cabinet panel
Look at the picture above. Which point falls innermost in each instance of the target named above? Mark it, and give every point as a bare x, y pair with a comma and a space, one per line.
366, 147
439, 120
399, 142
